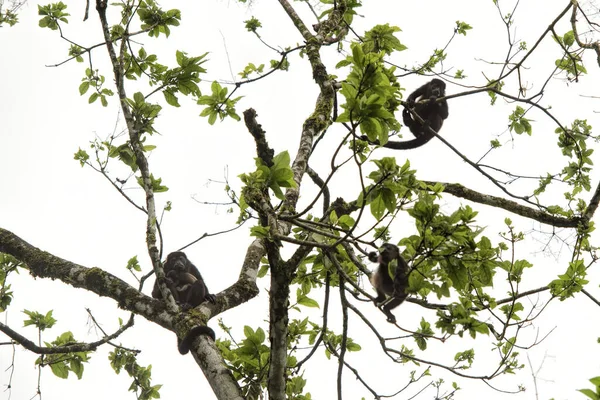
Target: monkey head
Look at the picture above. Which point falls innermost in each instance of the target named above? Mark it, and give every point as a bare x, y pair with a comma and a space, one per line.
387, 252
177, 261
437, 88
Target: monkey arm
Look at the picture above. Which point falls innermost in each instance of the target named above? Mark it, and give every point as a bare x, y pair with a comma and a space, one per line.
443, 111
412, 98
373, 257
186, 278
200, 289
376, 281
203, 293
156, 291
192, 269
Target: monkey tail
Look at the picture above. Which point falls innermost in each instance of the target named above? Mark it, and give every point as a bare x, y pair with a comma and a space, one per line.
409, 144
405, 145
185, 344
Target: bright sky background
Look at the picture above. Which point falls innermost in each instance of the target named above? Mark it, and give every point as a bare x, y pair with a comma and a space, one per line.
49, 200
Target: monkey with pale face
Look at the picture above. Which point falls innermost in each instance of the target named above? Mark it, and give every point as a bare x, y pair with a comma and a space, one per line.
390, 292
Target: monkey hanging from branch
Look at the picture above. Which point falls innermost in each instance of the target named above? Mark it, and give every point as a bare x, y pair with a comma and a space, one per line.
390, 292
189, 290
423, 102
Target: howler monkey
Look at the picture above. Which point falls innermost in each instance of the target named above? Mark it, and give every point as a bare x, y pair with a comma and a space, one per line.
432, 112
188, 289
394, 290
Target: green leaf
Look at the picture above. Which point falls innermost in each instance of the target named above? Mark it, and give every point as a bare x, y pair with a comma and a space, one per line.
378, 206
60, 369
248, 331
308, 302
83, 88
351, 346
569, 38
212, 118
171, 98
590, 393
260, 335
262, 272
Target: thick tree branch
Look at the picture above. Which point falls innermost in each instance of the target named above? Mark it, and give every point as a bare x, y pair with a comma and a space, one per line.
594, 45
265, 153
593, 205
72, 348
321, 117
135, 131
45, 265
282, 272
459, 190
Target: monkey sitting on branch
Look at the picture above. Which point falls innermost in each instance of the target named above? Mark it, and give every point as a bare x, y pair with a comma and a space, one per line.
189, 290
423, 102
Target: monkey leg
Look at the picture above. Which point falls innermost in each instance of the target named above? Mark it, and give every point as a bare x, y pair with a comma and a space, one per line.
380, 297
196, 294
389, 305
390, 317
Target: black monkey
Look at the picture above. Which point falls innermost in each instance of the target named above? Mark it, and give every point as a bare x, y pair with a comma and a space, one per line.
432, 112
394, 290
188, 289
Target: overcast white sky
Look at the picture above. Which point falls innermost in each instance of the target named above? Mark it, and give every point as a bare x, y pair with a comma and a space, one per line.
72, 212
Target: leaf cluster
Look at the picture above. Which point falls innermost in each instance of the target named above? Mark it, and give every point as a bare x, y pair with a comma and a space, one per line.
593, 394
94, 80
63, 363
248, 360
122, 359
392, 186
144, 113
53, 13
8, 264
571, 282
183, 79
218, 104
155, 19
371, 91
275, 177
571, 61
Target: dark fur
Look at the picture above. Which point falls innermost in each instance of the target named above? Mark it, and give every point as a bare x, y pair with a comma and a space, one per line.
432, 112
386, 287
189, 291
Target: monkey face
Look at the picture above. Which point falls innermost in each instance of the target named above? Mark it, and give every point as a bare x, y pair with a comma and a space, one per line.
177, 261
387, 253
437, 88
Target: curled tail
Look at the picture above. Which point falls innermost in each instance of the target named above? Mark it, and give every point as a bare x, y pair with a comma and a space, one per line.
185, 344
419, 141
